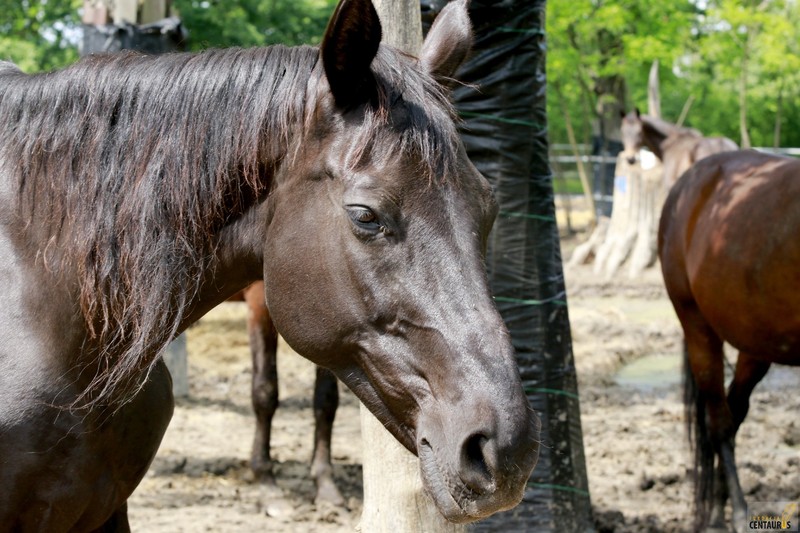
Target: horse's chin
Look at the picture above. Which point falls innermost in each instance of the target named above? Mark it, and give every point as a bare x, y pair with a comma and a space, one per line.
356, 380
456, 501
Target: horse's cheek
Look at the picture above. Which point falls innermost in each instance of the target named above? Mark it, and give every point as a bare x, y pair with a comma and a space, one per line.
300, 298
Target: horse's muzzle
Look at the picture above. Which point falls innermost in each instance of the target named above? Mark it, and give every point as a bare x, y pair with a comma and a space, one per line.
473, 473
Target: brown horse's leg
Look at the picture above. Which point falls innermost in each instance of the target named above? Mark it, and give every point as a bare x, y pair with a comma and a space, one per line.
709, 415
263, 346
326, 401
749, 372
118, 523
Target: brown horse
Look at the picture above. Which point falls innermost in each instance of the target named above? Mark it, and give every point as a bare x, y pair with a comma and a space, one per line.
264, 350
678, 148
729, 250
138, 192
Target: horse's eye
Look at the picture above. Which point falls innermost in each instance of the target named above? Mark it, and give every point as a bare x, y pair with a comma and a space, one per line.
364, 218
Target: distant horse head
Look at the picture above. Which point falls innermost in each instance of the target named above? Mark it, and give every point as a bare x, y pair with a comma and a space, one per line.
373, 262
632, 134
676, 146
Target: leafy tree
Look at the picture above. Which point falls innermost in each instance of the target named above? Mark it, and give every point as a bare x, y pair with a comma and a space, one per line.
44, 34
738, 61
599, 53
39, 34
749, 65
217, 23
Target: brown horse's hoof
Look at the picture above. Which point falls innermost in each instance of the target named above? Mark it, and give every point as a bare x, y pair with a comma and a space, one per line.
261, 472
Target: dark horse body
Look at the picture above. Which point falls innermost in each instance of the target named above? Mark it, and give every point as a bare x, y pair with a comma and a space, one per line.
678, 148
264, 351
730, 251
137, 193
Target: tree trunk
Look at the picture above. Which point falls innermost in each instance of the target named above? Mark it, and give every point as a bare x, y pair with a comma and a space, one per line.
776, 136
745, 142
125, 11
394, 498
98, 12
153, 10
402, 24
587, 187
653, 92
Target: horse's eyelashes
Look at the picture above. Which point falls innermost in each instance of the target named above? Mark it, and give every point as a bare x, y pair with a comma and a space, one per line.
364, 219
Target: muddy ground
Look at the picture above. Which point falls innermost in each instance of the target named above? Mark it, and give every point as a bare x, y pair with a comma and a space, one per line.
626, 344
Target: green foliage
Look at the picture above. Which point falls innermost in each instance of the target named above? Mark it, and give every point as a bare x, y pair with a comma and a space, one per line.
217, 23
44, 34
700, 52
39, 34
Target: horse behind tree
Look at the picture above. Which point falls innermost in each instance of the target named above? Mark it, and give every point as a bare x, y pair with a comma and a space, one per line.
678, 148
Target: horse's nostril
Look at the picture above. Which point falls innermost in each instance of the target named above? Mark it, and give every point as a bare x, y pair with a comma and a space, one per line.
477, 464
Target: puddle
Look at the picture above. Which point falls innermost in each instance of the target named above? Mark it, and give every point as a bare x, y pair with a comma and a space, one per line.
651, 372
665, 370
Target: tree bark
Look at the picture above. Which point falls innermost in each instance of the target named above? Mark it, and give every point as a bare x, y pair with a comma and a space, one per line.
776, 136
402, 24
745, 141
653, 92
584, 177
394, 498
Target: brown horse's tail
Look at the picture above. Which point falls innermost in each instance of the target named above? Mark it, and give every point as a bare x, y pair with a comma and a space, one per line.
700, 443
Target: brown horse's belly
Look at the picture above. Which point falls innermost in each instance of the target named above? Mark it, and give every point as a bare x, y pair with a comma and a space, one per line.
753, 315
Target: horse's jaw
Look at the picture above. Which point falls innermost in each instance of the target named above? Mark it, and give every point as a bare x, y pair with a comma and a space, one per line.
358, 382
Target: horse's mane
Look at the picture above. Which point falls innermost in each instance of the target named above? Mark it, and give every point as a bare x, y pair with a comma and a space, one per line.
133, 164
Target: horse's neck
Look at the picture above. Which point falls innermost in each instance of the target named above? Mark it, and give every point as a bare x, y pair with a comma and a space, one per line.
238, 262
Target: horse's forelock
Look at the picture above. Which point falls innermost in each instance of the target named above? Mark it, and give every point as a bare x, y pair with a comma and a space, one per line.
413, 114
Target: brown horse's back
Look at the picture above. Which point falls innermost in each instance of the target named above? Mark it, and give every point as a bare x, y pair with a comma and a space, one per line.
729, 240
712, 145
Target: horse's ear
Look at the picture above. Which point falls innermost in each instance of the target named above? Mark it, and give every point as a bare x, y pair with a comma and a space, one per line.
449, 41
350, 44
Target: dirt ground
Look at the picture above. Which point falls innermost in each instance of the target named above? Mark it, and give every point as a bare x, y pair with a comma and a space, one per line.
626, 344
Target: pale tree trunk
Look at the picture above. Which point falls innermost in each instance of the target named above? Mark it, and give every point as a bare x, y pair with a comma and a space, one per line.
394, 498
153, 10
776, 137
653, 92
745, 143
587, 187
402, 24
121, 11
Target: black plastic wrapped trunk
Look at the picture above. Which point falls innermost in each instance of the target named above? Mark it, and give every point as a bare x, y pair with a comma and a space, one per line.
166, 35
505, 132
